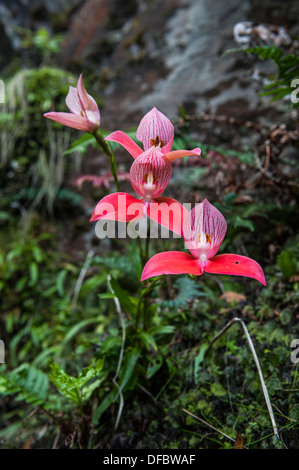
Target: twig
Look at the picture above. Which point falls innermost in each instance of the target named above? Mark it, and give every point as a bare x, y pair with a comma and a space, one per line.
208, 424
55, 442
253, 352
81, 278
121, 353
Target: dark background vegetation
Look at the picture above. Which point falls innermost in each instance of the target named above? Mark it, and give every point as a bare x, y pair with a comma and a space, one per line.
58, 320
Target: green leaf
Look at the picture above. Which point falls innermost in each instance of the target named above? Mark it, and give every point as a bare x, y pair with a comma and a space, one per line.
239, 222
287, 263
218, 390
153, 367
76, 328
199, 360
60, 282
123, 297
162, 330
126, 372
148, 340
76, 388
107, 401
28, 384
128, 367
81, 144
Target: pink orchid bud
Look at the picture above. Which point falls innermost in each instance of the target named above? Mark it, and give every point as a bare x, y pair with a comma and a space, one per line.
84, 112
155, 129
150, 174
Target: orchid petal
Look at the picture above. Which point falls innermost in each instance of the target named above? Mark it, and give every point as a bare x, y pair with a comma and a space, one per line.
204, 230
82, 94
71, 120
175, 154
72, 101
235, 265
155, 125
170, 262
150, 173
89, 105
118, 206
123, 139
169, 213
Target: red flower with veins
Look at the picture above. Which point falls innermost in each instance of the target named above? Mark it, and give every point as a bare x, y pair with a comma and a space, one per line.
154, 130
203, 230
149, 176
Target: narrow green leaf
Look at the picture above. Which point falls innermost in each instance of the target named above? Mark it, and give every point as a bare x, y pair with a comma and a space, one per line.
76, 328
123, 297
128, 367
60, 282
148, 340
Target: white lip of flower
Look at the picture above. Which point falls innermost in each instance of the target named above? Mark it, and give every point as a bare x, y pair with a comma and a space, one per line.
203, 244
149, 185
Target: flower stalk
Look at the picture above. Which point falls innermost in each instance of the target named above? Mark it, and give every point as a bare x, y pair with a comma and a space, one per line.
102, 143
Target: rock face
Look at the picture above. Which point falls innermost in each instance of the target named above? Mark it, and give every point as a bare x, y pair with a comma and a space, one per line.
168, 54
164, 53
195, 37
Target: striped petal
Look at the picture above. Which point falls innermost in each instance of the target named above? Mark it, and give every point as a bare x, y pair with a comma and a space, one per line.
169, 213
235, 265
71, 120
156, 129
170, 262
204, 230
150, 174
118, 206
73, 102
123, 139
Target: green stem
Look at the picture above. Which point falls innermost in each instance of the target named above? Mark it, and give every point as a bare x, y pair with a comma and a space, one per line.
140, 249
146, 319
143, 298
147, 241
105, 147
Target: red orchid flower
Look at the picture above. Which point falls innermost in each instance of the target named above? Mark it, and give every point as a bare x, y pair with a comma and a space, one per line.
84, 112
154, 130
203, 230
149, 176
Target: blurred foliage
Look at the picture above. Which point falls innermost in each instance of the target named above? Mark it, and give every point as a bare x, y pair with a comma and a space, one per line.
41, 42
282, 85
63, 355
33, 168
